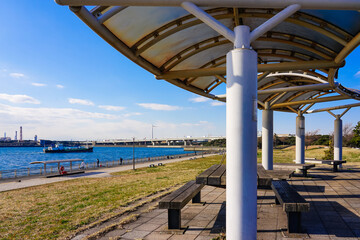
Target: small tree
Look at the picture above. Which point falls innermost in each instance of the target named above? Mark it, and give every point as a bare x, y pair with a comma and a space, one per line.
348, 134
311, 137
355, 141
329, 154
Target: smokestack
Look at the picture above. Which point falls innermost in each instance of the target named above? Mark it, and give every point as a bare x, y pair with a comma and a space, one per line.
21, 133
15, 135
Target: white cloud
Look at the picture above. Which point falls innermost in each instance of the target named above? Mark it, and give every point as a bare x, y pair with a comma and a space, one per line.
217, 103
199, 99
18, 98
81, 101
111, 108
167, 129
161, 107
17, 75
357, 74
69, 123
59, 86
132, 114
38, 84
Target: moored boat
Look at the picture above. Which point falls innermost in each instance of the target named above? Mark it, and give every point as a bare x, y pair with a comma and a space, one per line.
59, 148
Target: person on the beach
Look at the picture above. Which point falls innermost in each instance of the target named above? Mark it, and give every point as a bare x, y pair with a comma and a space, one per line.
98, 162
121, 161
82, 165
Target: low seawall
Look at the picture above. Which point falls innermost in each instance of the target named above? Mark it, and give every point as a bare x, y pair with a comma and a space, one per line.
200, 148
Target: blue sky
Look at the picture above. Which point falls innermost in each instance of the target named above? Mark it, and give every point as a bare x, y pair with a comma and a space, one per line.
60, 80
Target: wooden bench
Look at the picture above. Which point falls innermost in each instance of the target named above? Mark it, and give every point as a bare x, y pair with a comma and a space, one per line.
213, 176
265, 177
302, 167
216, 176
292, 203
335, 163
176, 200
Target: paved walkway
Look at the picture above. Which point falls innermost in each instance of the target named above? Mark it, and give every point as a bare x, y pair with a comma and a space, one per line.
334, 212
11, 184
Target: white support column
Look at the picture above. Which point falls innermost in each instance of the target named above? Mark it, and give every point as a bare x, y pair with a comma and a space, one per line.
241, 123
300, 139
267, 137
338, 138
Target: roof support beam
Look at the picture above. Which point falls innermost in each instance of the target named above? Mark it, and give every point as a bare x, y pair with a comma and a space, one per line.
331, 113
285, 66
274, 21
305, 4
316, 100
308, 107
321, 86
293, 110
348, 48
209, 20
334, 108
229, 34
277, 98
300, 75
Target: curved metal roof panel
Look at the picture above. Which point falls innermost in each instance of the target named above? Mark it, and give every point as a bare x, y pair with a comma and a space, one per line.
168, 39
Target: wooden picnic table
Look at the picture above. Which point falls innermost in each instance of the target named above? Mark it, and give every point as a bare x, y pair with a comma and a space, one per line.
216, 176
335, 163
294, 166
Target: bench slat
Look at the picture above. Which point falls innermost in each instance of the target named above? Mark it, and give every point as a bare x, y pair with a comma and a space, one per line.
223, 178
280, 174
289, 197
262, 172
215, 177
164, 203
180, 201
202, 178
305, 166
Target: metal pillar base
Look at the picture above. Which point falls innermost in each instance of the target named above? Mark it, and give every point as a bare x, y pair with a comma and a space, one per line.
338, 138
300, 139
267, 137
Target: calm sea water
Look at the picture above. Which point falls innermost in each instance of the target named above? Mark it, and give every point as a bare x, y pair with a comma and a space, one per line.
16, 158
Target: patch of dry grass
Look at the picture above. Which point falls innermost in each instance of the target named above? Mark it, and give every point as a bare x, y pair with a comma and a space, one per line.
287, 155
56, 210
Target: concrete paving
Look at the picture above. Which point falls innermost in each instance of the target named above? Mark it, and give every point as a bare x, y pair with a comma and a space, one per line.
11, 184
334, 212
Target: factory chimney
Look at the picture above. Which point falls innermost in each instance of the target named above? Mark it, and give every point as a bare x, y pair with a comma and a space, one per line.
21, 133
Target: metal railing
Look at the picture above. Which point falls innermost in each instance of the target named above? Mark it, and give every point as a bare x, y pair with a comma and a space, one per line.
53, 169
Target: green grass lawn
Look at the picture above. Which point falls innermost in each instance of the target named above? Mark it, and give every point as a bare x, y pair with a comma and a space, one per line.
287, 155
56, 210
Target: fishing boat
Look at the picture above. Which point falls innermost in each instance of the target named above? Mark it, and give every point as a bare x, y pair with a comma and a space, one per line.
59, 148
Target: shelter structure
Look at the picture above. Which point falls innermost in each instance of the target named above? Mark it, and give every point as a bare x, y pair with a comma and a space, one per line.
58, 162
278, 55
